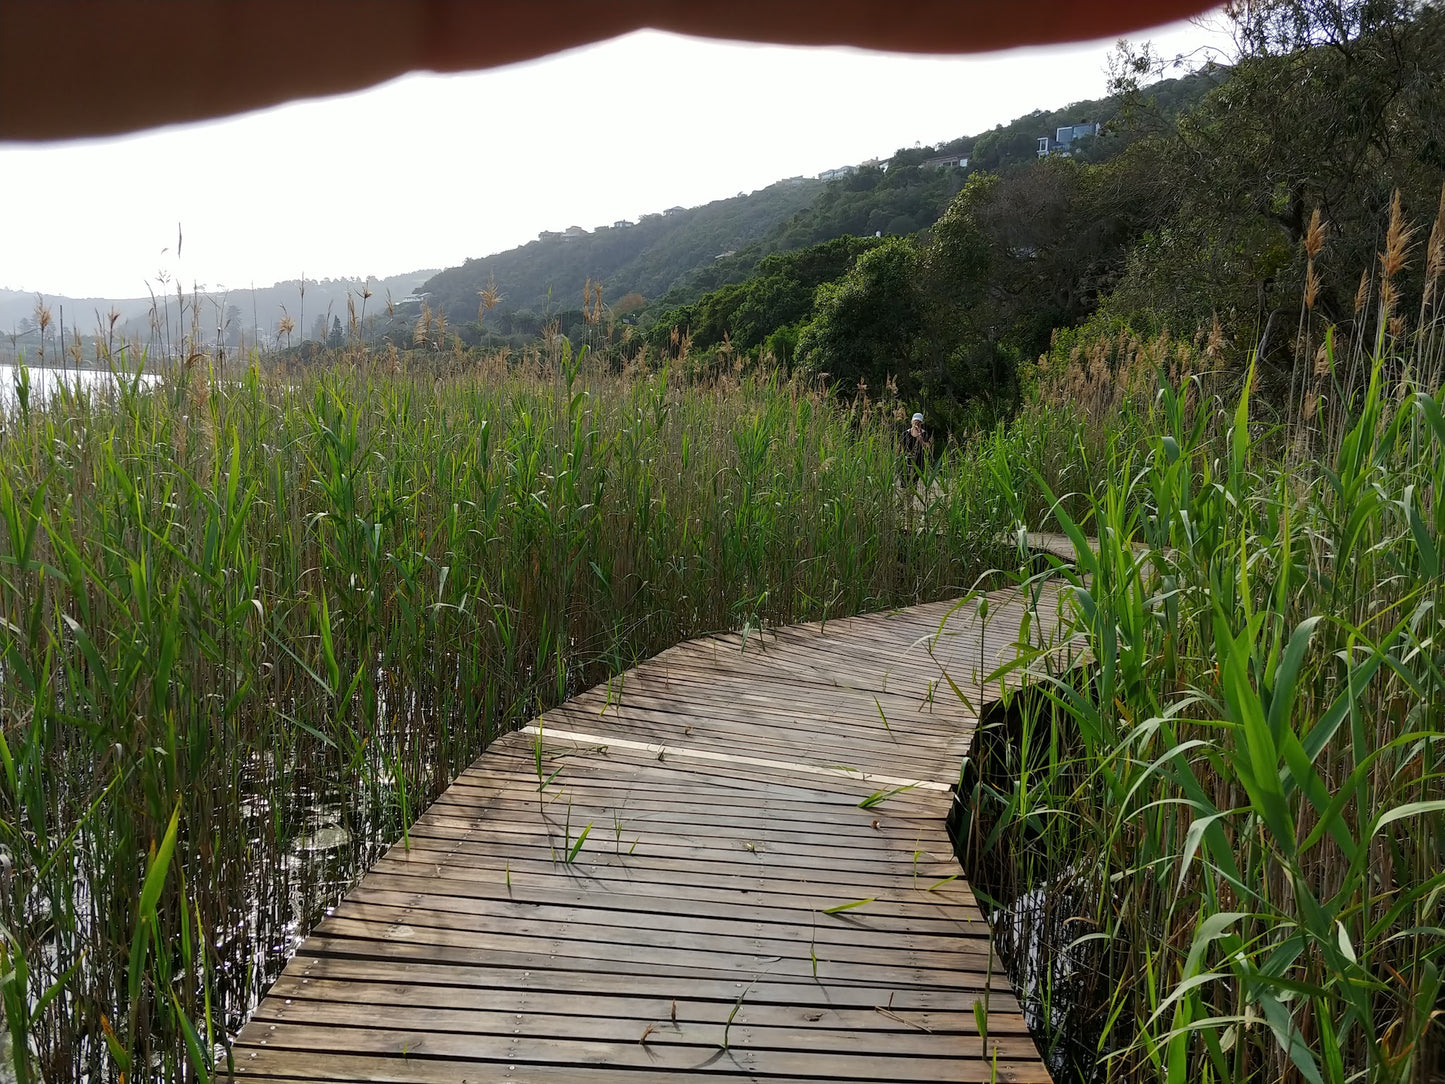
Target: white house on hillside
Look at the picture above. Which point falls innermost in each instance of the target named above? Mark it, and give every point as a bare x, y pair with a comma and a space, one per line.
1061, 142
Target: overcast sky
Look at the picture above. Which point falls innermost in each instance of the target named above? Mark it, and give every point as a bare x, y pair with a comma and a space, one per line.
429, 170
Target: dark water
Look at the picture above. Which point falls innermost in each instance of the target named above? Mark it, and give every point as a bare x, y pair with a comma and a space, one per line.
1039, 912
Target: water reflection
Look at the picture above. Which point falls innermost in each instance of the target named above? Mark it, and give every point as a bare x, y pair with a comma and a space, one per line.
39, 383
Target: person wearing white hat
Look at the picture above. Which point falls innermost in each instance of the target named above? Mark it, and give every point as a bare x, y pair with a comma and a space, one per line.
916, 444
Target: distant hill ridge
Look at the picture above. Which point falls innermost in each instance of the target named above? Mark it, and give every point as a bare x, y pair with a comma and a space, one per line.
244, 314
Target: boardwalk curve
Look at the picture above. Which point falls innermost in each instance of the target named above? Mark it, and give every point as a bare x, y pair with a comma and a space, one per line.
729, 863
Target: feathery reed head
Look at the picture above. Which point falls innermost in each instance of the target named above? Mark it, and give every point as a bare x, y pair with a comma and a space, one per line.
1397, 241
1316, 234
1362, 294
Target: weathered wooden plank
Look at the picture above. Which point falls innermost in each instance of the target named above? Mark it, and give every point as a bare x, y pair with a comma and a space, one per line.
959, 996
525, 920
908, 807
522, 1008
956, 1058
864, 731
602, 1022
888, 895
645, 900
638, 848
678, 687
345, 1067
881, 843
723, 959
635, 846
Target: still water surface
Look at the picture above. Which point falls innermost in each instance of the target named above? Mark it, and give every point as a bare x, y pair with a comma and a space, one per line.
45, 382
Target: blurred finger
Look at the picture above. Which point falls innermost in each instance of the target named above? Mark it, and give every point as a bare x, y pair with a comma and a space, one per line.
95, 67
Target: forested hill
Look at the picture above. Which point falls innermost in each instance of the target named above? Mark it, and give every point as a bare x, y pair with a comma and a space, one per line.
674, 257
1242, 224
643, 258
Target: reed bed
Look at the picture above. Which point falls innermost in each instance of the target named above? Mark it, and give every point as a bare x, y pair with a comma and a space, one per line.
1213, 852
250, 628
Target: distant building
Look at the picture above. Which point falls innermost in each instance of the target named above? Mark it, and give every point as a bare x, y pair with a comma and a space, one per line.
674, 210
946, 161
621, 224
549, 235
1061, 142
729, 252
834, 174
574, 231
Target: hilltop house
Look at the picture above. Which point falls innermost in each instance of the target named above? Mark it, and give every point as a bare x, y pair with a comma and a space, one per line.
1063, 139
834, 174
945, 161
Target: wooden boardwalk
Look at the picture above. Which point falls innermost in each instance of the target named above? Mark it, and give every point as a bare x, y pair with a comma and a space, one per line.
731, 862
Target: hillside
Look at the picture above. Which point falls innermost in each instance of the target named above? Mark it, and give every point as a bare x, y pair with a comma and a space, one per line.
1231, 217
671, 259
646, 257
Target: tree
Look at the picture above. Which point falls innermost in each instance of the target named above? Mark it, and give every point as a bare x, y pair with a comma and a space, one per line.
1331, 105
233, 329
1020, 254
337, 338
868, 324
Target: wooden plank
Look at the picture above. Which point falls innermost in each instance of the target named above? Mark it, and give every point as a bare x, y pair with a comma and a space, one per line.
420, 908
721, 959
898, 751
635, 846
741, 909
346, 1067
632, 839
522, 1008
647, 900
764, 991
861, 729
659, 1029
791, 759
882, 842
757, 889
916, 805
681, 695
796, 777
960, 1059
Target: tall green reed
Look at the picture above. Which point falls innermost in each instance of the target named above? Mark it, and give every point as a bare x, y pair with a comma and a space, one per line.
1239, 803
249, 627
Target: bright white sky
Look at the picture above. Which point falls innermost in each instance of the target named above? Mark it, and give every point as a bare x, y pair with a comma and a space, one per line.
429, 170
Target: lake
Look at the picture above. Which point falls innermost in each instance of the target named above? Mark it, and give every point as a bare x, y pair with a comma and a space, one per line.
45, 382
